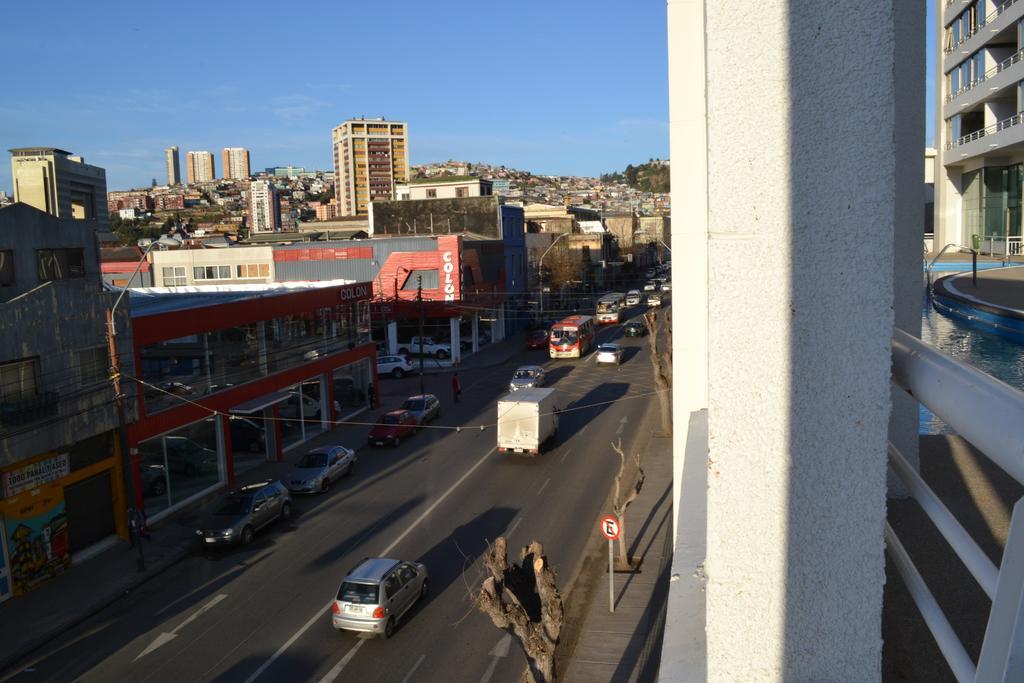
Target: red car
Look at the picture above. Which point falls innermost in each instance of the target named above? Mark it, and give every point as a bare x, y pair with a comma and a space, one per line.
538, 339
392, 427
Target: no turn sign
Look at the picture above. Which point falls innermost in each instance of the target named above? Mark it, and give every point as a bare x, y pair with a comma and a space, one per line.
610, 527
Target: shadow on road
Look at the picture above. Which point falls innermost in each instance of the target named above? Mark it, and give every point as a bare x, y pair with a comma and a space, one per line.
586, 408
331, 556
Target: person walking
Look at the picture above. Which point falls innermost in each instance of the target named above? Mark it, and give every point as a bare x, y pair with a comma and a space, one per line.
456, 387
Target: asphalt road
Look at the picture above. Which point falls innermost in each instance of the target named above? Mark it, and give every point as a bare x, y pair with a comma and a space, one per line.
260, 613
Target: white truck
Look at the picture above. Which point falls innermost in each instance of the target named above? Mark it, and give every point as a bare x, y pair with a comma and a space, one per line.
527, 420
430, 348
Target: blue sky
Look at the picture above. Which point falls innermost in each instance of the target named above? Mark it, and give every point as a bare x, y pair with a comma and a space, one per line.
566, 87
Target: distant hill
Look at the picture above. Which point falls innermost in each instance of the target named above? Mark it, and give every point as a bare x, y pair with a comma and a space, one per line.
650, 177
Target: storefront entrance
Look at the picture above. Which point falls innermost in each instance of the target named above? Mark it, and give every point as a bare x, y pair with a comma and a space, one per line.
90, 509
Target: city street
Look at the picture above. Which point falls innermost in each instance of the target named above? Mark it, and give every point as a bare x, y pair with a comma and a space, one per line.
261, 613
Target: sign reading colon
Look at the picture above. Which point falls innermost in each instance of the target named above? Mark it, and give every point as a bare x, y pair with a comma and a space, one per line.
449, 279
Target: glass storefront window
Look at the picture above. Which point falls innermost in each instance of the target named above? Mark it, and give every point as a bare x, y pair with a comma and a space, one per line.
303, 413
352, 386
180, 464
186, 368
248, 442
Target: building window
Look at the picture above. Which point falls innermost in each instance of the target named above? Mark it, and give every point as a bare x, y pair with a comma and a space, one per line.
431, 194
6, 268
93, 365
250, 270
211, 273
19, 380
461, 191
60, 264
174, 276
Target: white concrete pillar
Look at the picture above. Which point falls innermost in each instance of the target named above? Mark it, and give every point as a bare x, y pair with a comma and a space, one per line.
391, 338
801, 210
498, 326
476, 332
456, 335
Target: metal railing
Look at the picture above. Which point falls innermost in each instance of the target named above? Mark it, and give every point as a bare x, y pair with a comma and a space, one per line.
990, 415
1001, 245
1008, 122
998, 68
988, 18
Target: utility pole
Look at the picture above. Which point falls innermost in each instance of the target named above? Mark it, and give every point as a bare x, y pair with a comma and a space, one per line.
419, 298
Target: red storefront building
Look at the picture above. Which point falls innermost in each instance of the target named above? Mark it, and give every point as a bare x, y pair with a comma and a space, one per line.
231, 377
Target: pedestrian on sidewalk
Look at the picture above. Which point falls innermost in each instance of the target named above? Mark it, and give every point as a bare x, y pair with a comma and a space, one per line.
456, 387
137, 528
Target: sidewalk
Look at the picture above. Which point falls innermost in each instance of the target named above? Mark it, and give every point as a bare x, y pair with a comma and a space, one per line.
626, 645
29, 621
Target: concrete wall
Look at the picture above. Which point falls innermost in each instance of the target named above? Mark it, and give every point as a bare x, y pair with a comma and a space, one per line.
231, 256
799, 336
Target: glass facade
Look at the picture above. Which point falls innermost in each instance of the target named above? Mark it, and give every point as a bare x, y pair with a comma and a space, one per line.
197, 365
991, 201
180, 464
352, 386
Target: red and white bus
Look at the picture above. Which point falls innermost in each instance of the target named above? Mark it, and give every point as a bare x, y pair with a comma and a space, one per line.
572, 337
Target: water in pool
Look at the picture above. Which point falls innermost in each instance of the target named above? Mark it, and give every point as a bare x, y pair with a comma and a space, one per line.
990, 353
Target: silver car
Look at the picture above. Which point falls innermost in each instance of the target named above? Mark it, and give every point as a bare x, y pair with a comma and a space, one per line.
315, 470
527, 377
376, 594
245, 511
424, 408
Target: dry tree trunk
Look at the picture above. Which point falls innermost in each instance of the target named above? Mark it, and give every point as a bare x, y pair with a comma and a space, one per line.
524, 600
625, 562
662, 374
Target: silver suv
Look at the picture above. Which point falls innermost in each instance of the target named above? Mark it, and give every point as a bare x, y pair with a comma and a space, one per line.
245, 511
376, 594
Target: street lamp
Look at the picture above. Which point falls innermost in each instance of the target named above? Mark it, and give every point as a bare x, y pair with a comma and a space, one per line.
540, 274
115, 371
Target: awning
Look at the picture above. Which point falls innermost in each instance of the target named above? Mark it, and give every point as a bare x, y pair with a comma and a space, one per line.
258, 404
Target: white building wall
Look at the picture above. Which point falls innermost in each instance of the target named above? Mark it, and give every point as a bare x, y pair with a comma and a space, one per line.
799, 316
231, 257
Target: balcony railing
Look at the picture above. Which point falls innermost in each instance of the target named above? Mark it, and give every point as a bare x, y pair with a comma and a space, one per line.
990, 415
998, 68
988, 130
988, 18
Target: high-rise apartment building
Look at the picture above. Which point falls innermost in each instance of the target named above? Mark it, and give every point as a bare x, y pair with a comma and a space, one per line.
371, 156
979, 131
264, 207
59, 183
173, 166
235, 162
200, 167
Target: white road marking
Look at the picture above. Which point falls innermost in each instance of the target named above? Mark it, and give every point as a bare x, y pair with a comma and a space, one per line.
622, 424
165, 638
513, 527
333, 673
544, 485
298, 634
566, 453
415, 666
497, 652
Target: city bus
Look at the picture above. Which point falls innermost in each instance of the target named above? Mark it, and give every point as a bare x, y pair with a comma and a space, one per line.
572, 337
609, 308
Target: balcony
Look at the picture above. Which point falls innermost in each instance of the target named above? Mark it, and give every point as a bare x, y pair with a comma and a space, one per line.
1002, 135
1005, 74
1001, 18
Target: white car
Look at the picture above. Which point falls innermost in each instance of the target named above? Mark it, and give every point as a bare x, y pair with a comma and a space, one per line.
609, 353
651, 286
633, 297
666, 286
394, 366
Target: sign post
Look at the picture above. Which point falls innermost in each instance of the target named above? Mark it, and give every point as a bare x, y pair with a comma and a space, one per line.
610, 529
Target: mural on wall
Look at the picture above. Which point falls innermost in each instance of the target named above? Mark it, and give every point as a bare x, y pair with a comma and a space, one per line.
37, 538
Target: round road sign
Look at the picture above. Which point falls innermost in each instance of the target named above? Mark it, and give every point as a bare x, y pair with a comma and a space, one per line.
610, 527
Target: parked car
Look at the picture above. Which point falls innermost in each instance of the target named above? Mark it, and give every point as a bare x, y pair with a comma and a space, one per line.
424, 408
188, 457
154, 479
538, 339
666, 286
651, 286
376, 594
316, 469
247, 435
429, 347
634, 328
244, 511
609, 353
395, 366
633, 297
649, 273
527, 377
654, 299
392, 427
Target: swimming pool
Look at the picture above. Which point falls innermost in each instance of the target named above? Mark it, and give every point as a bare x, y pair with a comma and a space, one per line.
995, 355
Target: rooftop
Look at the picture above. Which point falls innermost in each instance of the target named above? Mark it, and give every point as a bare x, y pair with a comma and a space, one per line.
156, 300
440, 180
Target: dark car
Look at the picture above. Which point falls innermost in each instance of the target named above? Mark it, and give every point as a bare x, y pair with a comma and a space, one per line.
392, 427
634, 329
424, 408
188, 457
538, 339
243, 512
247, 435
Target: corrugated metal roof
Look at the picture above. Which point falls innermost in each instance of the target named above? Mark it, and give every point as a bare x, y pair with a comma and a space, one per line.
155, 300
